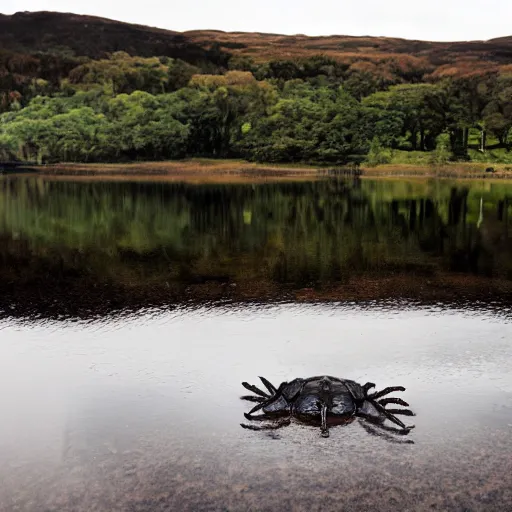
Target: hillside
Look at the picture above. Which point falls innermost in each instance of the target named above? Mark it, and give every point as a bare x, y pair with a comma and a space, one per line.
85, 89
90, 36
439, 57
77, 35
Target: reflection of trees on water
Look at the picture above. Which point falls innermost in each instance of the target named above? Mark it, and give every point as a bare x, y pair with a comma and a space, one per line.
291, 234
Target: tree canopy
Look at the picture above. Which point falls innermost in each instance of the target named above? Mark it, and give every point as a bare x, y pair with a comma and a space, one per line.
322, 108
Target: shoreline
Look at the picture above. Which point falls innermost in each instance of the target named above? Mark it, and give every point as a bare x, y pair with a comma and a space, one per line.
200, 169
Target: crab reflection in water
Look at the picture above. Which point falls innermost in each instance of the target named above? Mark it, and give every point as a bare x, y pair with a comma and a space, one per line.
326, 401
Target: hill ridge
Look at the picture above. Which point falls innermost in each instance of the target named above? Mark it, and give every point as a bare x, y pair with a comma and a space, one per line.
84, 17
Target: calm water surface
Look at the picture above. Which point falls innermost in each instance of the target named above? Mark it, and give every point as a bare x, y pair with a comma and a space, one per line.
130, 314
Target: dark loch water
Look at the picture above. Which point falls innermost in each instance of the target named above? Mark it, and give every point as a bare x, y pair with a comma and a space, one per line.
131, 312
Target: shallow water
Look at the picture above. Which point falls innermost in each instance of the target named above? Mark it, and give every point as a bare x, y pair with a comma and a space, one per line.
117, 404
144, 414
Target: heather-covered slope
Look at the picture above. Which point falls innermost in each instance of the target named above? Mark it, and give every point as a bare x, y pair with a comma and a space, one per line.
438, 58
73, 34
29, 32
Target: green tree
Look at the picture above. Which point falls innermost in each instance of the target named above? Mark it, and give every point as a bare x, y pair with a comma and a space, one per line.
442, 154
377, 155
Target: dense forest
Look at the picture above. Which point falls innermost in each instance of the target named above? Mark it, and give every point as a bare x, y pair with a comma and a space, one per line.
83, 89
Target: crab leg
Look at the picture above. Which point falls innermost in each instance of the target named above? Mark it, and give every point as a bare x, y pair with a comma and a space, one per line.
390, 417
394, 430
375, 431
404, 412
256, 408
259, 417
254, 389
397, 401
251, 398
272, 389
261, 405
386, 391
268, 399
270, 426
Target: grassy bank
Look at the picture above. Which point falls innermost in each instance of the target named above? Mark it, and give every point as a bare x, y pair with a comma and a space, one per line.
201, 169
176, 167
463, 170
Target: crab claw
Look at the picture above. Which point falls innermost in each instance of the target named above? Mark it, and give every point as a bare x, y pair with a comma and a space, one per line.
368, 386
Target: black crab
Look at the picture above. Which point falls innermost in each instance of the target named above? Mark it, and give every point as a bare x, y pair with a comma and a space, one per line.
325, 401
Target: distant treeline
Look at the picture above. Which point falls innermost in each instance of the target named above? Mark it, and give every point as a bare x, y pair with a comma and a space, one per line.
315, 110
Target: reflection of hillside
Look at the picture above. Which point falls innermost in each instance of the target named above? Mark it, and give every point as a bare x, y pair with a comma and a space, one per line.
118, 244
